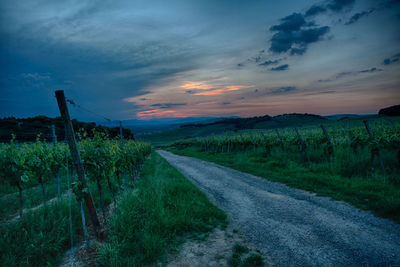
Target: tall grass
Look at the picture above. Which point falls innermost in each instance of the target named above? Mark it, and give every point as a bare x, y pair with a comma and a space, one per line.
40, 237
153, 218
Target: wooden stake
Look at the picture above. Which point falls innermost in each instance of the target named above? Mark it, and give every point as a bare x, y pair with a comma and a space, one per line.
62, 105
53, 131
303, 144
280, 137
374, 151
330, 146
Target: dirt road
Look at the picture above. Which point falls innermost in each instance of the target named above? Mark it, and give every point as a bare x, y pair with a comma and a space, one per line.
294, 227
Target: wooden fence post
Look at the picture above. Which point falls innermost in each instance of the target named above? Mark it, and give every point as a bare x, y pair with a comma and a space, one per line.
280, 138
303, 144
374, 150
62, 104
267, 147
53, 131
330, 145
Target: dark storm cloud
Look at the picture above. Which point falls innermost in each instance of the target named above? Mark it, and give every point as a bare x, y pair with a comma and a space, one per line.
290, 23
333, 5
294, 34
280, 68
283, 90
284, 41
358, 16
168, 105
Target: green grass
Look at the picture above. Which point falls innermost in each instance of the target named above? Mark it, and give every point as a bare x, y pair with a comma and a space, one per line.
9, 203
239, 257
162, 210
40, 237
370, 192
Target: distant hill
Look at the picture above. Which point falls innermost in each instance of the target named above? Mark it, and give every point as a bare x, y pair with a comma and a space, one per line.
342, 116
390, 111
191, 130
262, 122
27, 129
158, 125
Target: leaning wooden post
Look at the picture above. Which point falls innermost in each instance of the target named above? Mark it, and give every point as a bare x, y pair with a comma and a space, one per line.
62, 105
374, 150
303, 144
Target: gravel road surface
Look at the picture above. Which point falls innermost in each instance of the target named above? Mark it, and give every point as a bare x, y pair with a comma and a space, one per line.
294, 227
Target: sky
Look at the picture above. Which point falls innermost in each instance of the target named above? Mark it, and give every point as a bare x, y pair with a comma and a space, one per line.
206, 58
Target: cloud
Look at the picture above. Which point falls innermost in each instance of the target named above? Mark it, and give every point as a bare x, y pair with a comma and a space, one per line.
343, 74
370, 70
348, 73
160, 113
339, 5
284, 90
201, 88
280, 68
270, 62
357, 16
392, 59
315, 10
221, 91
324, 80
196, 85
290, 23
333, 5
36, 76
294, 35
168, 105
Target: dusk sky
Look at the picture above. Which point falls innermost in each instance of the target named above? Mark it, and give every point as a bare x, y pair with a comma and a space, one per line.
208, 58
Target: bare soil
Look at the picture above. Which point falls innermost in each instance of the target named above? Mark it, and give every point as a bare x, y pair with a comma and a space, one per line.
214, 251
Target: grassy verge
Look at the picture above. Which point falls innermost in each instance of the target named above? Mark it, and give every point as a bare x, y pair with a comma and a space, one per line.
370, 193
163, 209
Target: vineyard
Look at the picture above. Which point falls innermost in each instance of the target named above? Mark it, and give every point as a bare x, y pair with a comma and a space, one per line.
358, 150
354, 161
30, 170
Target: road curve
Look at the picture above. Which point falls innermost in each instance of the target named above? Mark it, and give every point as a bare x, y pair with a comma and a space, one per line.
294, 227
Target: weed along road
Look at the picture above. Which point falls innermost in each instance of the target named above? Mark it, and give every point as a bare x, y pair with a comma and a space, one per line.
294, 227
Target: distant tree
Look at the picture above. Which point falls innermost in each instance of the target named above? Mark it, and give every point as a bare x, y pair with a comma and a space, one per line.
390, 111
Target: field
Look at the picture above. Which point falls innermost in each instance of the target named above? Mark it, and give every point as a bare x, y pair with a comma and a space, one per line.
146, 218
345, 163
